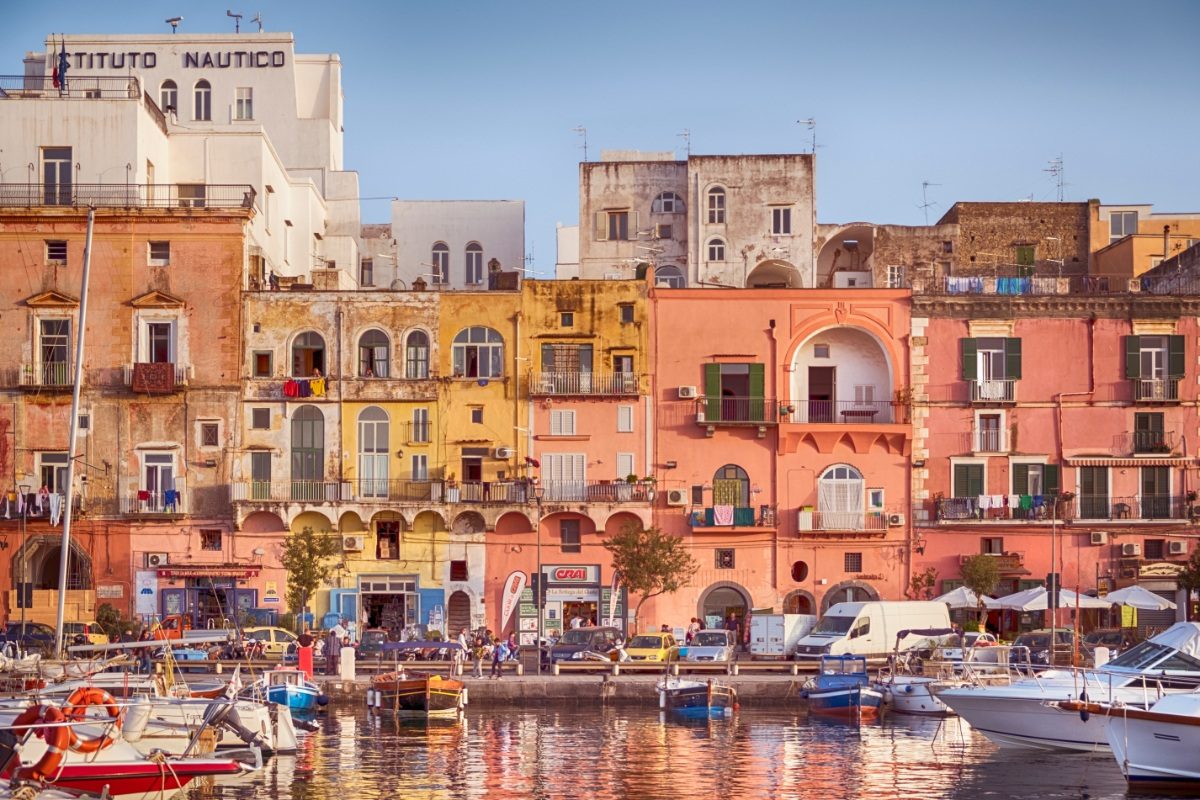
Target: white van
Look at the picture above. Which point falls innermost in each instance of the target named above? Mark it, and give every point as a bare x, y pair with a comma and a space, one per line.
775, 635
869, 629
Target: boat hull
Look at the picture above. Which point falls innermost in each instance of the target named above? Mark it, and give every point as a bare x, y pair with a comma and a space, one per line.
912, 695
696, 699
851, 702
1013, 720
1156, 749
297, 698
420, 696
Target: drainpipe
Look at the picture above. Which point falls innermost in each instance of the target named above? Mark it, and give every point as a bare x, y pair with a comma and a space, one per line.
775, 461
340, 452
516, 384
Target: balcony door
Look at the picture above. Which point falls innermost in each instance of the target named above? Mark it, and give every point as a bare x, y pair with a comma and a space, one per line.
53, 348
568, 367
1093, 493
158, 478
260, 476
56, 176
840, 498
308, 454
822, 382
1156, 492
565, 476
991, 368
373, 437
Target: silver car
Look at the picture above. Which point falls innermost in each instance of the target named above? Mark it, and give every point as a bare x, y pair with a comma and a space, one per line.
714, 645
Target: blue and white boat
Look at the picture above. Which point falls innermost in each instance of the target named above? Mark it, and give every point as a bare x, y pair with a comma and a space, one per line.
696, 698
286, 686
842, 688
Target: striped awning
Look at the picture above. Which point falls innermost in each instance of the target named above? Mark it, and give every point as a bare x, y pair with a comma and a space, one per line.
1107, 461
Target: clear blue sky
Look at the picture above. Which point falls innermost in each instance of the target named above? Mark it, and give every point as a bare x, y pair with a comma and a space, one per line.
478, 100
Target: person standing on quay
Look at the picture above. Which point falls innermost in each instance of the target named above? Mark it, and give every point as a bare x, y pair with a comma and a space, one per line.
477, 652
333, 646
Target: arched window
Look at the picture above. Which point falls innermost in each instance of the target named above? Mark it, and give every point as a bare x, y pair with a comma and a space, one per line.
308, 355
670, 275
478, 353
168, 96
416, 356
474, 258
716, 205
840, 498
373, 354
440, 261
731, 487
667, 203
308, 454
202, 109
373, 444
716, 249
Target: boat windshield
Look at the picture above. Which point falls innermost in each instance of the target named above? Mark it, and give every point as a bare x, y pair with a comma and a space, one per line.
374, 637
645, 642
1151, 654
833, 625
711, 639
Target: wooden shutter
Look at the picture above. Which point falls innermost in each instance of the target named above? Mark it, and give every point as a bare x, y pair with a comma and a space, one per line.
1050, 479
712, 391
970, 359
962, 480
1012, 358
600, 231
757, 384
1020, 479
1175, 361
1133, 357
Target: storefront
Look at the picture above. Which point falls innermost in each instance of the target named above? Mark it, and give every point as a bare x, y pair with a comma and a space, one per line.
213, 596
572, 591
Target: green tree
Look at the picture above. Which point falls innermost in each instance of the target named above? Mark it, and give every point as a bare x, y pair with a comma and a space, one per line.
650, 562
306, 557
921, 585
981, 574
1189, 579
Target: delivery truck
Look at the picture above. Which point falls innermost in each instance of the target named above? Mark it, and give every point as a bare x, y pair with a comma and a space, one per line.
871, 628
775, 635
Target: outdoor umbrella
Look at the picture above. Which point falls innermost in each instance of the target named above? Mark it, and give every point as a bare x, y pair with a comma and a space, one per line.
1037, 599
962, 597
1137, 597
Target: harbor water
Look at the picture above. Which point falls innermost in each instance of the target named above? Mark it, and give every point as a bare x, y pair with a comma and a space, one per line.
601, 753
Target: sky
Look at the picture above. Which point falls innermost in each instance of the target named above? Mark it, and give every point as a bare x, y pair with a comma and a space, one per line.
459, 99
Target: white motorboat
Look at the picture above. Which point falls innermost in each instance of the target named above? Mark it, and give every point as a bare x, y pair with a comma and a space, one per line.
912, 694
1022, 711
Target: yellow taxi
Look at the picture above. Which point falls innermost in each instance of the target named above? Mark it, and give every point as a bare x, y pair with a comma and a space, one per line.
92, 630
653, 647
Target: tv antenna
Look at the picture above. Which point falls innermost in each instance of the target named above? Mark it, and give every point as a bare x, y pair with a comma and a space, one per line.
925, 201
174, 23
1056, 170
237, 21
687, 141
257, 19
811, 124
582, 131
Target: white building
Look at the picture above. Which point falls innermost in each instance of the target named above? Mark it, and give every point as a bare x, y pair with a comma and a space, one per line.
179, 120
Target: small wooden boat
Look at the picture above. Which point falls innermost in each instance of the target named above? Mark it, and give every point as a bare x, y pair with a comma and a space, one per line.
842, 689
696, 698
418, 694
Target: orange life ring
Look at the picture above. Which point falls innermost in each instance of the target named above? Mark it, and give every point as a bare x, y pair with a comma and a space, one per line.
76, 709
57, 740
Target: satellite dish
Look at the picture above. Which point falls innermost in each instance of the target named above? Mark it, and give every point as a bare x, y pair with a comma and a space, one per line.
398, 284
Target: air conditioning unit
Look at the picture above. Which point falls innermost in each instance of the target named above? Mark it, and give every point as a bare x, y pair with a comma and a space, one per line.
1177, 547
353, 543
157, 559
677, 497
613, 276
687, 393
1131, 549
1099, 537
505, 453
895, 519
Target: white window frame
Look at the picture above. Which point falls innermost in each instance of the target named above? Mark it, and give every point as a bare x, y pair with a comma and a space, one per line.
781, 220
202, 101
625, 419
977, 437
716, 249
626, 463
143, 339
875, 499
66, 249
420, 426
667, 203
159, 464
715, 207
954, 461
473, 256
58, 460
864, 394
243, 104
1032, 461
374, 465
439, 259
562, 422
489, 354
163, 259
420, 467
1152, 360
38, 319
168, 97
895, 276
1113, 216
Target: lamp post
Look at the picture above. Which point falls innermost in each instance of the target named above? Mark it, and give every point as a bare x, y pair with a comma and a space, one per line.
538, 491
24, 490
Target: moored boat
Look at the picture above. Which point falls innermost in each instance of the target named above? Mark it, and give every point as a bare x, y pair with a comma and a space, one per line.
286, 686
696, 698
842, 689
418, 694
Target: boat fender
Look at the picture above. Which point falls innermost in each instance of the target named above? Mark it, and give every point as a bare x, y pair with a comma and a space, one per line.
370, 697
1084, 714
465, 700
908, 689
322, 699
662, 699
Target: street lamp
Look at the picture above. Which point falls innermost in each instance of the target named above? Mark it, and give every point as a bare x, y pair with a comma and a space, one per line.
538, 492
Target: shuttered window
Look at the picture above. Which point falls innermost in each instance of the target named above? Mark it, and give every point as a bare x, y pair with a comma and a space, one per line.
1145, 357
968, 480
1010, 360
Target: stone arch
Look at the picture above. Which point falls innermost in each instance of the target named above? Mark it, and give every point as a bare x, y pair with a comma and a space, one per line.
388, 516
617, 521
587, 525
458, 612
513, 522
468, 523
726, 597
799, 601
263, 522
350, 522
849, 249
848, 591
862, 344
774, 273
43, 558
319, 521
429, 522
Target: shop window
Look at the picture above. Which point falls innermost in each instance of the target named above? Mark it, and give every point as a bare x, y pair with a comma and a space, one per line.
210, 540
852, 562
387, 540
458, 570
724, 558
568, 532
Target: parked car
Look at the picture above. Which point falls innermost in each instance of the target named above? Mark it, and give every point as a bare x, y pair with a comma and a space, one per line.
274, 640
1115, 639
714, 645
574, 642
36, 637
653, 647
1038, 643
89, 630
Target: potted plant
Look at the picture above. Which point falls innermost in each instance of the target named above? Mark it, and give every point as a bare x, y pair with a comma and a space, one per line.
631, 478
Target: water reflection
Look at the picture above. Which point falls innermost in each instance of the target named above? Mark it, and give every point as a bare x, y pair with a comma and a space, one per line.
630, 753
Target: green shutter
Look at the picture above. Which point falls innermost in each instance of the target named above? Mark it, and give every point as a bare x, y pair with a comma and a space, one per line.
961, 479
1051, 479
970, 359
1175, 363
1133, 357
1020, 479
1012, 359
712, 392
758, 379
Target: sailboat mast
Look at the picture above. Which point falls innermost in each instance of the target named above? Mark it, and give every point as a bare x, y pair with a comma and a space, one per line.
65, 559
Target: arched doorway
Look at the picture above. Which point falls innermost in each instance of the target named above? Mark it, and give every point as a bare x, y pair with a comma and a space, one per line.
799, 602
458, 613
774, 274
720, 601
848, 592
43, 558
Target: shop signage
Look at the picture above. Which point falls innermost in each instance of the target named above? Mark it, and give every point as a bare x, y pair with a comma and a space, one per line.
1162, 569
514, 584
573, 574
271, 592
192, 59
200, 572
147, 592
110, 591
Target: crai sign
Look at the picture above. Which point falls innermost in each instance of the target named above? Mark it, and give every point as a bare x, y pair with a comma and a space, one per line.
189, 59
573, 573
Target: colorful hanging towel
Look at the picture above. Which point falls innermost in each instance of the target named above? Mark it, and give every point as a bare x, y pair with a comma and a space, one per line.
317, 385
722, 515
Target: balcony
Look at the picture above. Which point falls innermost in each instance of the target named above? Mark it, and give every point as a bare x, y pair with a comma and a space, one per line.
597, 491
155, 378
417, 432
503, 492
817, 412
970, 509
394, 491
1145, 443
554, 384
737, 411
145, 503
93, 87
986, 440
1145, 507
994, 391
291, 491
733, 517
128, 195
869, 522
54, 375
1155, 390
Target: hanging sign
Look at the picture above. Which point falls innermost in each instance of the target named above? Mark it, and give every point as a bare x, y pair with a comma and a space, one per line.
514, 584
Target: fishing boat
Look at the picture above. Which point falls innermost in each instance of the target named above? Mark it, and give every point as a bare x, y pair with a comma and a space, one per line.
286, 686
408, 693
696, 698
842, 688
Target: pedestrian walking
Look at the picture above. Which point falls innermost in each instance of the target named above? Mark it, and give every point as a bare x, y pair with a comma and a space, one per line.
333, 646
499, 653
477, 653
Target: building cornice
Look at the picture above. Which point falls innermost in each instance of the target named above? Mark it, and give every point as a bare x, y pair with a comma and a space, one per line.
1122, 306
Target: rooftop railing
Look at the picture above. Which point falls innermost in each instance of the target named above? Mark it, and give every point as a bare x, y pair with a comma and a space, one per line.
127, 195
87, 87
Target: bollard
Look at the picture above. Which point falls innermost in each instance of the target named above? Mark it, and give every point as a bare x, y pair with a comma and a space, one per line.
346, 667
220, 668
675, 670
795, 668
520, 668
734, 667
555, 672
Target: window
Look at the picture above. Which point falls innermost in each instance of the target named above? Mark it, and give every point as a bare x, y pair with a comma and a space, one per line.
864, 394
662, 231
716, 249
202, 107
667, 203
1148, 434
440, 261
697, 495
416, 356
1154, 549
85, 422
716, 207
160, 342
781, 221
991, 546
260, 476
420, 426
52, 470
624, 419
478, 353
168, 96
992, 363
263, 361
1121, 224
210, 434
420, 467
458, 571
670, 276
968, 480
562, 423
625, 312
840, 498
243, 107
622, 365
1034, 479
54, 362
366, 272
875, 500
612, 225
723, 558
160, 254
387, 540
158, 479
895, 276
625, 466
374, 433
566, 319
56, 252
260, 419
989, 433
477, 415
474, 262
210, 540
57, 167
308, 452
820, 351
731, 487
1026, 255
374, 355
852, 562
568, 531
308, 355
947, 246
734, 393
